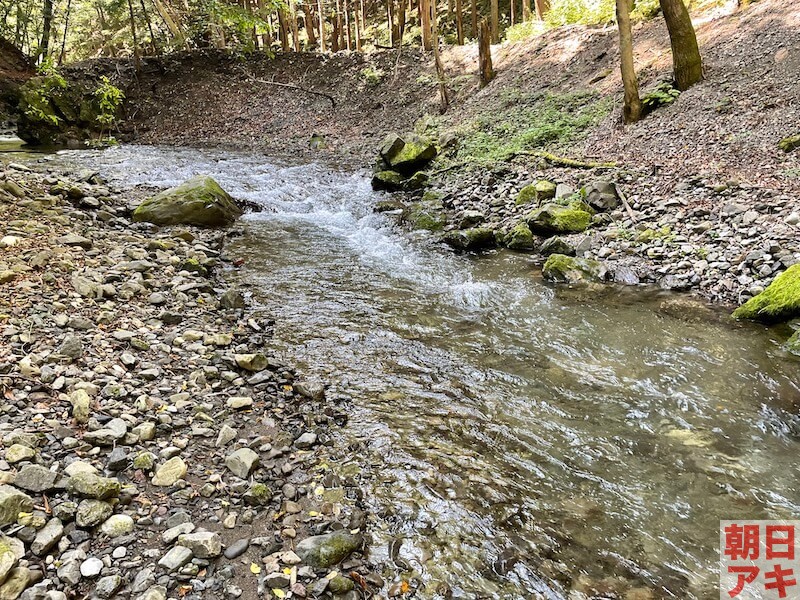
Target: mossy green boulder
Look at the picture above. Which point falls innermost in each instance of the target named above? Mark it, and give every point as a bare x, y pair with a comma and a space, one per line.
560, 268
13, 502
475, 238
387, 181
324, 551
536, 192
793, 343
90, 485
779, 302
520, 238
199, 201
552, 219
425, 215
408, 153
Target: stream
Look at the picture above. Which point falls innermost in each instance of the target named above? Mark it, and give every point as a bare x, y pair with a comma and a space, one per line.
514, 440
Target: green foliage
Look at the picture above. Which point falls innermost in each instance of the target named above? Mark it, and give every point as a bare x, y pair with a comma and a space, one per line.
109, 99
372, 76
37, 94
663, 95
524, 122
525, 30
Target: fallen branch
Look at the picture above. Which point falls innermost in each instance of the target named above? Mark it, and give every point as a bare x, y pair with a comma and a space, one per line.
625, 204
564, 161
294, 87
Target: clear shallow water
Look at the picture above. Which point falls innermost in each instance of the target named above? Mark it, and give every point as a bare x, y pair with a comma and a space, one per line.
521, 441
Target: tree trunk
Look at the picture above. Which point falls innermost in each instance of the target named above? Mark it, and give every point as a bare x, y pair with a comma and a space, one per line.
293, 24
64, 39
283, 26
357, 25
390, 21
459, 23
473, 6
632, 107
47, 14
513, 12
425, 23
401, 21
146, 19
686, 62
495, 15
526, 11
308, 24
322, 47
340, 38
542, 6
137, 61
347, 23
443, 97
485, 53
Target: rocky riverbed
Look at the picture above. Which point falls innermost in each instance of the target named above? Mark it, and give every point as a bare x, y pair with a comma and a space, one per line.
152, 446
724, 240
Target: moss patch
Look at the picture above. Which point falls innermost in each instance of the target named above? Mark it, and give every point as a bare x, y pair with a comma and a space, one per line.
779, 302
568, 269
553, 218
536, 192
425, 215
520, 238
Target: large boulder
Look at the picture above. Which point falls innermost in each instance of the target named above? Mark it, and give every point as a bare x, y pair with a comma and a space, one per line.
779, 302
601, 195
552, 219
407, 154
198, 201
560, 268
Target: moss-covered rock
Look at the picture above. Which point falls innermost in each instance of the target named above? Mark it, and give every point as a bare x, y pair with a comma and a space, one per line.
90, 485
520, 238
476, 238
793, 343
557, 245
198, 201
790, 143
568, 269
537, 192
407, 154
779, 302
387, 181
552, 219
425, 215
324, 551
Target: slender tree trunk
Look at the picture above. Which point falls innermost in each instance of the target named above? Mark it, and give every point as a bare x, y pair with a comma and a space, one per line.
390, 21
526, 11
64, 39
322, 47
47, 23
146, 20
357, 25
340, 39
440, 74
459, 23
425, 23
513, 12
348, 29
632, 107
282, 30
137, 61
495, 15
308, 24
473, 7
542, 6
485, 53
686, 62
293, 23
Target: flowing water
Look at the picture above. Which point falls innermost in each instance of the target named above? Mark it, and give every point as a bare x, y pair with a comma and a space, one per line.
515, 440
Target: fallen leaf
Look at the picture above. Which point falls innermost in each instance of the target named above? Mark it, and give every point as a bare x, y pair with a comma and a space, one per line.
255, 569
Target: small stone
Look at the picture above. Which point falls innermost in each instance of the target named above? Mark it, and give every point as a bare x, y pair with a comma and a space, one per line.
203, 544
93, 486
81, 404
91, 567
232, 299
226, 435
35, 478
237, 548
241, 462
47, 537
307, 440
157, 592
117, 526
323, 551
239, 402
170, 472
13, 502
18, 579
72, 239
71, 348
175, 558
108, 586
251, 362
91, 513
18, 453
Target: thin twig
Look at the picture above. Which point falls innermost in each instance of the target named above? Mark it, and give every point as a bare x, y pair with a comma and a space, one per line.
294, 87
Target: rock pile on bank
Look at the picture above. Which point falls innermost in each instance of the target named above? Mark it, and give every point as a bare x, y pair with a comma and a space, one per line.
152, 447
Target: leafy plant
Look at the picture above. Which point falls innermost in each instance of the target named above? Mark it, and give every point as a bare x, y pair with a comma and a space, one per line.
372, 75
38, 92
663, 95
109, 99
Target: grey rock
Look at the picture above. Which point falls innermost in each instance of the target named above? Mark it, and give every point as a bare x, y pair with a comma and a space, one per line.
108, 586
35, 478
13, 502
47, 537
175, 558
241, 462
237, 548
91, 567
203, 544
323, 551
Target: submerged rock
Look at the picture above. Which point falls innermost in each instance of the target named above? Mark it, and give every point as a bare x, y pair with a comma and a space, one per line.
569, 269
389, 181
553, 218
477, 238
198, 201
424, 215
779, 302
323, 551
793, 343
